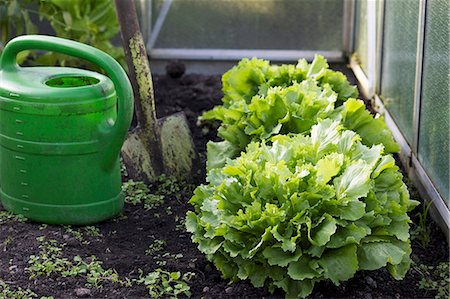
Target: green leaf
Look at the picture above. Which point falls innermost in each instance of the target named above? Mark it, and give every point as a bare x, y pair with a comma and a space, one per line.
398, 271
192, 223
375, 255
350, 234
318, 65
301, 269
350, 210
225, 265
328, 167
279, 257
399, 229
325, 136
386, 162
354, 182
340, 85
372, 130
340, 264
295, 288
67, 18
323, 231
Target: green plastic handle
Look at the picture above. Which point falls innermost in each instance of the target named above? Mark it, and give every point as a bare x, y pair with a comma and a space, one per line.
111, 135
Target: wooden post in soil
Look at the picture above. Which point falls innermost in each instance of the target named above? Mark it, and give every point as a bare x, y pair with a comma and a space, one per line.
155, 146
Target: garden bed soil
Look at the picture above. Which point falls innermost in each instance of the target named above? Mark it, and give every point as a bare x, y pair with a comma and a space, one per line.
124, 240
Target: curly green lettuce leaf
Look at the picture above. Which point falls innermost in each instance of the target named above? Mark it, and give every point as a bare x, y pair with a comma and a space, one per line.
251, 77
372, 130
300, 209
295, 109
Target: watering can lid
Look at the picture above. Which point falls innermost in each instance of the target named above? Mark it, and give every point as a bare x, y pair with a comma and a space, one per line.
56, 85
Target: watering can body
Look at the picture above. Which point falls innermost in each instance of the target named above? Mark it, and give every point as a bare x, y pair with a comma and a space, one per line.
61, 130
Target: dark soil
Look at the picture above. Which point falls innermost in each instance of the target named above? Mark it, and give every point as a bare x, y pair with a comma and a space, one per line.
125, 239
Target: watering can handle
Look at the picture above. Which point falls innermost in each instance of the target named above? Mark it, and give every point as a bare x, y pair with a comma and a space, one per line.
112, 136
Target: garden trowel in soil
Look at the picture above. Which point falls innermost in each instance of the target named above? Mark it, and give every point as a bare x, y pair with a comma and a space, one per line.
154, 146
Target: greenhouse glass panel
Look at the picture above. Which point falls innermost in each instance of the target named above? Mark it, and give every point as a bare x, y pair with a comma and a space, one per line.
252, 24
361, 41
399, 62
434, 117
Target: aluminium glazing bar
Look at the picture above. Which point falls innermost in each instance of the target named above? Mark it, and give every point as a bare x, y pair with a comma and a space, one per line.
360, 76
371, 46
431, 191
159, 23
380, 40
231, 54
418, 78
144, 8
348, 26
415, 168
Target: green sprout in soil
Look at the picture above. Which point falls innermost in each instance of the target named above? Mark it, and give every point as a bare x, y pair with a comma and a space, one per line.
50, 260
135, 192
162, 260
164, 284
7, 217
79, 233
435, 279
421, 232
123, 168
92, 231
169, 211
180, 223
19, 293
167, 185
138, 192
157, 245
4, 245
153, 201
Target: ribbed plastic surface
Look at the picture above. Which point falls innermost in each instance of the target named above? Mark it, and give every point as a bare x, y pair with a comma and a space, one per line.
399, 61
252, 24
434, 118
361, 43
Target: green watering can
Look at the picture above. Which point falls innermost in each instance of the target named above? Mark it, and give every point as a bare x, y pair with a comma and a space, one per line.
61, 130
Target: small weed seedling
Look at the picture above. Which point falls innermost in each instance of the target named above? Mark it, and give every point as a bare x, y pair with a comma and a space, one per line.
138, 192
92, 231
167, 185
422, 231
50, 261
4, 245
435, 278
19, 293
6, 217
153, 201
123, 168
180, 224
76, 234
79, 233
162, 260
163, 284
157, 245
95, 274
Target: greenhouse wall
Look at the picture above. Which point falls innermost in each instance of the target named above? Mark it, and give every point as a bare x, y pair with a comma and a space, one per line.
433, 140
410, 83
221, 31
